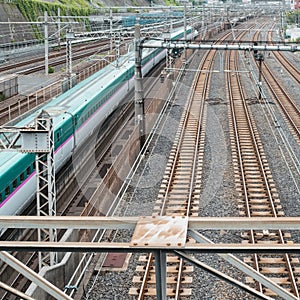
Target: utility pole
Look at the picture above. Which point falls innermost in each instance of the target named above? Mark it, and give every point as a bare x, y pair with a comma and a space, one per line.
139, 91
171, 20
46, 43
118, 45
111, 29
260, 59
58, 28
69, 37
184, 29
11, 30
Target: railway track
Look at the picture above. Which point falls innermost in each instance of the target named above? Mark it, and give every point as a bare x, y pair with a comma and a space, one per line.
257, 192
72, 193
17, 105
20, 104
286, 63
258, 195
180, 188
55, 58
288, 107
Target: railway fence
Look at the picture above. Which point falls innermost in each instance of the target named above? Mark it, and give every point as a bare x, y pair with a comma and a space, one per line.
26, 103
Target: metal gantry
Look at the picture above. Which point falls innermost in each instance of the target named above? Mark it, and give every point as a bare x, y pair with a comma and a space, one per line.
157, 240
44, 284
184, 44
174, 49
40, 140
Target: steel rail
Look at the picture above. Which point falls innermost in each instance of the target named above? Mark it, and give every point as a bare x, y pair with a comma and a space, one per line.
230, 90
197, 94
89, 155
113, 130
234, 118
150, 263
244, 125
179, 142
286, 63
285, 102
76, 278
287, 105
53, 55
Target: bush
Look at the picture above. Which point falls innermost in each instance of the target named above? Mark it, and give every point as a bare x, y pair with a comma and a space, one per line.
51, 70
31, 9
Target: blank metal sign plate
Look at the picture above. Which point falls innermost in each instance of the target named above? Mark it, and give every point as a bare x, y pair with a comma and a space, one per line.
160, 231
35, 141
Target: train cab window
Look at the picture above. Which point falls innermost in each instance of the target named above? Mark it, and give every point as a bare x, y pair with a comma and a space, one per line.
28, 171
7, 191
15, 183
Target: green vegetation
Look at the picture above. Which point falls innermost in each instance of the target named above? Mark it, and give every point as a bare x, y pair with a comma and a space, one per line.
32, 9
99, 4
75, 3
293, 17
51, 70
171, 2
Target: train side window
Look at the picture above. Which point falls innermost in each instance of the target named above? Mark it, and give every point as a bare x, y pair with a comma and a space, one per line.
28, 171
58, 136
15, 183
74, 120
7, 191
22, 177
1, 198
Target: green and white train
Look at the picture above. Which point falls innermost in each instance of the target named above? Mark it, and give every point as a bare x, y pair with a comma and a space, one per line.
78, 112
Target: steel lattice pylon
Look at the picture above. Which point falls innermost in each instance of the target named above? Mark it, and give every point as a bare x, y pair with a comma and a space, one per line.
40, 140
45, 183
